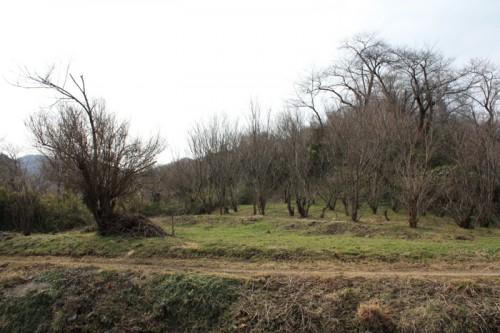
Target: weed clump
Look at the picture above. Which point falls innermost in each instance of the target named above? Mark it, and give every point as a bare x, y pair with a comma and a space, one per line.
375, 317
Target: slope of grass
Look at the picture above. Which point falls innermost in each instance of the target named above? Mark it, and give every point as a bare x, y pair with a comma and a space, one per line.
90, 300
103, 300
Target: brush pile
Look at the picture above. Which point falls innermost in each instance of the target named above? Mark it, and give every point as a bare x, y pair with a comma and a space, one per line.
131, 226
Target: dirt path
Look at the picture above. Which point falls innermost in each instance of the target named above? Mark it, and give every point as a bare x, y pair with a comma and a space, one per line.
253, 269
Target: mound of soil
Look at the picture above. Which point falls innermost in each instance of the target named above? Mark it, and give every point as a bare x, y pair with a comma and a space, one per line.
130, 225
347, 227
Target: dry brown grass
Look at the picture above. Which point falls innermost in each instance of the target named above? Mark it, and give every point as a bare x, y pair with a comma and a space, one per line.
367, 304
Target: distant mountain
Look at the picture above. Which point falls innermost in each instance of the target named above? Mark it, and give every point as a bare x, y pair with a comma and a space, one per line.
32, 164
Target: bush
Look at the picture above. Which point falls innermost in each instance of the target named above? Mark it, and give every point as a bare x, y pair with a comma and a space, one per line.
156, 209
150, 208
61, 212
23, 211
28, 211
4, 207
246, 196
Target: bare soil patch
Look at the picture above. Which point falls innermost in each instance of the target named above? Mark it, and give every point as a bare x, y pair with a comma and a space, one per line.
22, 290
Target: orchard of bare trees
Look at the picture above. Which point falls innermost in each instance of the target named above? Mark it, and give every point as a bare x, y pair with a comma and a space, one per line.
382, 126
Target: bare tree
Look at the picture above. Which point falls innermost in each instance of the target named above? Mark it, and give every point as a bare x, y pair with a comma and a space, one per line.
92, 146
488, 165
298, 160
348, 91
184, 183
259, 155
484, 93
330, 187
460, 180
427, 79
411, 152
478, 111
357, 148
380, 168
214, 148
203, 183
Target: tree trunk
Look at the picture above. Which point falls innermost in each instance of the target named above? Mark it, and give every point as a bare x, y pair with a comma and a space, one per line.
486, 211
374, 192
234, 200
412, 214
327, 205
288, 200
332, 204
346, 205
302, 206
262, 205
354, 215
394, 205
354, 206
291, 209
323, 212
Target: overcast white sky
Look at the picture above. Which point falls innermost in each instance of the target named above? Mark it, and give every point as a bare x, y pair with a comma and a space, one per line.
163, 65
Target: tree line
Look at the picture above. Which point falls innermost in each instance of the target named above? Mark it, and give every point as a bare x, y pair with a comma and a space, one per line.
382, 125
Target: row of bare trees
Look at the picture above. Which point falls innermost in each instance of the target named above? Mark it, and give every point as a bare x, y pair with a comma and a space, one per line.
407, 119
382, 125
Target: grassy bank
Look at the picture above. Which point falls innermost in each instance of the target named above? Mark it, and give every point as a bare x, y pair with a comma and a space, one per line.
48, 299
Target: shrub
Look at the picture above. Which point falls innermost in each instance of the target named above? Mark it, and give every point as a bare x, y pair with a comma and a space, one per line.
61, 212
4, 207
28, 211
23, 210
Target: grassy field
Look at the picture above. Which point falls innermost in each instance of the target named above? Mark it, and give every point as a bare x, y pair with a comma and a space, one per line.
279, 237
288, 275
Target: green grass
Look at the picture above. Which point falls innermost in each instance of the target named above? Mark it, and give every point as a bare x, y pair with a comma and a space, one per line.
278, 236
371, 240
